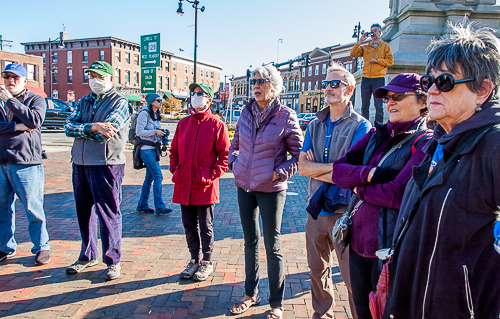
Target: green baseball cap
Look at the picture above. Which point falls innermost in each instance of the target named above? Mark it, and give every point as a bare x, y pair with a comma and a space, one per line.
101, 68
205, 88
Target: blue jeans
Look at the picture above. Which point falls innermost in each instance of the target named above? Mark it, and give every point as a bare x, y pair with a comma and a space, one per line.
153, 173
25, 181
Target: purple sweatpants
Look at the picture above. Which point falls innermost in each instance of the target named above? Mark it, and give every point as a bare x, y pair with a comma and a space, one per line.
98, 194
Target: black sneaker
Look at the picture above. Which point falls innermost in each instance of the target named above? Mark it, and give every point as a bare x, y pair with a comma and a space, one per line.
4, 255
42, 257
145, 211
163, 211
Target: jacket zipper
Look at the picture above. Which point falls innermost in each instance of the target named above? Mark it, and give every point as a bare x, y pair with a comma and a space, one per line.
468, 293
433, 252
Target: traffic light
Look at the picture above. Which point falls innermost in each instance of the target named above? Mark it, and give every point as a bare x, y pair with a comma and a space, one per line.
248, 73
307, 61
290, 67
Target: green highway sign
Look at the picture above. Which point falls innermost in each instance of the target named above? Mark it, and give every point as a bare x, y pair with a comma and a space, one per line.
148, 80
150, 50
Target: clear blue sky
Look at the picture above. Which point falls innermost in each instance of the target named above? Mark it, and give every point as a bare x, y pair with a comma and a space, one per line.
231, 33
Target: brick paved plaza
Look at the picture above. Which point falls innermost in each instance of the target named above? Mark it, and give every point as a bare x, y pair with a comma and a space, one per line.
154, 252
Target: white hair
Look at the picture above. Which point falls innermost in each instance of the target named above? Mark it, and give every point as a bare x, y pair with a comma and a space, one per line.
269, 72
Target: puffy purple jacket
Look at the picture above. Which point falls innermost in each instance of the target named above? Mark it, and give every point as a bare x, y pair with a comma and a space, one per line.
255, 154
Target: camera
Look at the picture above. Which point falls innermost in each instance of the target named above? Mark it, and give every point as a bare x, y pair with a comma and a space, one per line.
164, 139
369, 34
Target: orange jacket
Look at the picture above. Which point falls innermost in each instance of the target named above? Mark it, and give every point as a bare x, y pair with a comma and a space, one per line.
382, 53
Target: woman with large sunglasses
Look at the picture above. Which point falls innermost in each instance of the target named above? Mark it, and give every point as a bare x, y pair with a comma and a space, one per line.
377, 169
265, 133
444, 263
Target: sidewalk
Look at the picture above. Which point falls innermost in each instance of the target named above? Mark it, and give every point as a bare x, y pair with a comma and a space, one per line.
154, 252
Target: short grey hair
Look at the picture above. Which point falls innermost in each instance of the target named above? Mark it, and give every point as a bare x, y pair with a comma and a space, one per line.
348, 77
269, 72
473, 48
376, 25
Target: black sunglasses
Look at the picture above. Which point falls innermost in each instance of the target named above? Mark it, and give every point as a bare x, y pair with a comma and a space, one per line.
258, 81
444, 82
396, 97
197, 93
6, 76
158, 100
333, 84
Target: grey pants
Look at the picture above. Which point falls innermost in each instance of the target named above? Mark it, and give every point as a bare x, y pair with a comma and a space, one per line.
368, 86
271, 211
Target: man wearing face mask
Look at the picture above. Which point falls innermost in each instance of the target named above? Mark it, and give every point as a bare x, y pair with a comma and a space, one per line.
198, 157
21, 171
99, 124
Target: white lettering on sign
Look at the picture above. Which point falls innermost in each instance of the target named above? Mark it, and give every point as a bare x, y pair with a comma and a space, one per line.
152, 47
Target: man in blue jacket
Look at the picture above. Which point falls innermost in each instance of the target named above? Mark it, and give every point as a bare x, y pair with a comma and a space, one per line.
21, 171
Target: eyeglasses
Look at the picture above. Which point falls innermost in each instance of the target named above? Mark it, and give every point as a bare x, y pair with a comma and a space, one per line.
197, 93
258, 81
7, 76
444, 82
396, 97
333, 84
158, 100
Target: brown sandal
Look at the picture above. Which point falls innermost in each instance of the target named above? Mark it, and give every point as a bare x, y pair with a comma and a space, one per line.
243, 305
274, 315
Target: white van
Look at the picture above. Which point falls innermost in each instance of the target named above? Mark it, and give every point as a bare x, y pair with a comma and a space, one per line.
234, 118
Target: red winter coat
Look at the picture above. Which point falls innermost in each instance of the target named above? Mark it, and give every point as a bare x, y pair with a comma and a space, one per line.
198, 157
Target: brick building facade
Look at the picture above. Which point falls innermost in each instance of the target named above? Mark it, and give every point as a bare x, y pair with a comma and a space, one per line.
33, 64
69, 63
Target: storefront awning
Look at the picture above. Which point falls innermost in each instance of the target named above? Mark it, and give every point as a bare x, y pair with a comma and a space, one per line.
167, 95
37, 91
180, 97
132, 98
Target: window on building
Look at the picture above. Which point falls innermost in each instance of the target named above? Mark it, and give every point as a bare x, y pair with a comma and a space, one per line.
31, 72
186, 69
167, 66
296, 83
185, 83
285, 83
310, 71
43, 56
136, 59
174, 66
303, 72
290, 84
54, 75
309, 86
136, 78
70, 75
167, 83
316, 70
85, 75
211, 74
348, 66
69, 55
206, 74
44, 75
101, 55
54, 57
316, 85
85, 56
174, 84
127, 77
201, 72
117, 56
127, 57
303, 86
160, 82
324, 69
118, 74
192, 70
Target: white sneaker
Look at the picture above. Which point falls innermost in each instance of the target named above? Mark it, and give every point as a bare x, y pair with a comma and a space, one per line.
205, 270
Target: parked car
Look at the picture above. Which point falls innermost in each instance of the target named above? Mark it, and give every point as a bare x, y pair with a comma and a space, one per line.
306, 119
301, 115
234, 118
57, 112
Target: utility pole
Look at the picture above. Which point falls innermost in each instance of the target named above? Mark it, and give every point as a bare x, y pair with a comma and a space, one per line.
2, 43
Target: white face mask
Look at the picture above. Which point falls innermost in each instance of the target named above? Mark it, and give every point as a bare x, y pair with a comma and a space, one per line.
197, 102
99, 86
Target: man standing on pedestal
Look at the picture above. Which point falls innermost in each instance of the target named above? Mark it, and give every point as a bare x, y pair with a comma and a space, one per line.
99, 125
377, 56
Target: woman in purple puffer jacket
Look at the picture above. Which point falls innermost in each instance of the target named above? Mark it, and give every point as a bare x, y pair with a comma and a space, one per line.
265, 133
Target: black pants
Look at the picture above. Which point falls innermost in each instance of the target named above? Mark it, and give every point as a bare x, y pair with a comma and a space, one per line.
368, 86
192, 215
364, 278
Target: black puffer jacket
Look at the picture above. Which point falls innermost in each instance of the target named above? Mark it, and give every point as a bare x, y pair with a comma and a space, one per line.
444, 264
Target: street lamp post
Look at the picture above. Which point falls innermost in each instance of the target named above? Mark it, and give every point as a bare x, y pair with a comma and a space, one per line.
180, 12
355, 35
278, 50
225, 77
61, 46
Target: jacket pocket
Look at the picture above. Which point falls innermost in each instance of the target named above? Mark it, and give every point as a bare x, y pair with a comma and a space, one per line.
468, 294
203, 176
176, 178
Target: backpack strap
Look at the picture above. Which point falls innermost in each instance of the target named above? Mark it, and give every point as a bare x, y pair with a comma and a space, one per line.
414, 146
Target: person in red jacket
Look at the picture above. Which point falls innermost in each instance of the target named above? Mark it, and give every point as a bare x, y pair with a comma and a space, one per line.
198, 157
